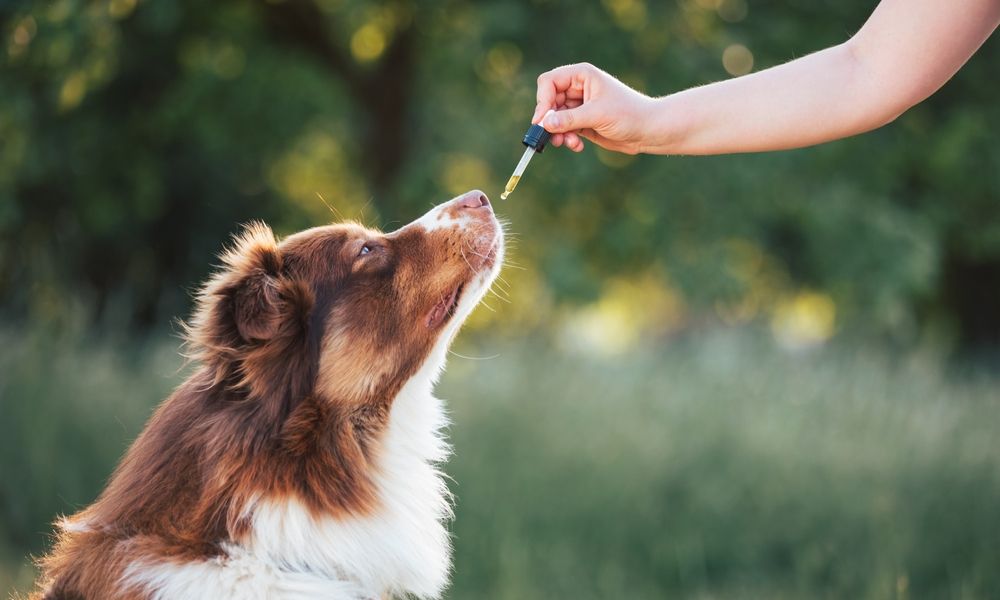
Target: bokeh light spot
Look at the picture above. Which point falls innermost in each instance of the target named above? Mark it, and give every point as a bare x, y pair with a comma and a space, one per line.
628, 14
72, 91
21, 37
228, 61
804, 320
25, 30
119, 9
501, 63
99, 69
737, 60
368, 43
629, 311
315, 174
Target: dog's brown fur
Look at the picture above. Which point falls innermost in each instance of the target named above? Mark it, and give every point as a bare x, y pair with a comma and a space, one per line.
301, 347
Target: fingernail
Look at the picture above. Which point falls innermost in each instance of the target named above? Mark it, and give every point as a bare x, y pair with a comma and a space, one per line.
551, 119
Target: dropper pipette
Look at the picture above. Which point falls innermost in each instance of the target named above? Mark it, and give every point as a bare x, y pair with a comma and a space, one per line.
535, 140
518, 171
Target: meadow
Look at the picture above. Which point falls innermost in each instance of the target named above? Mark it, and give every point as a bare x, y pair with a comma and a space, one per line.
717, 466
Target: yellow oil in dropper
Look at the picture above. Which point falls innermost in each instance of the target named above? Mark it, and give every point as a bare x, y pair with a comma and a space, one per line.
535, 141
511, 184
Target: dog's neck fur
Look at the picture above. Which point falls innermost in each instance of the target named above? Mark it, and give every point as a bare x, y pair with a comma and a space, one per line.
402, 547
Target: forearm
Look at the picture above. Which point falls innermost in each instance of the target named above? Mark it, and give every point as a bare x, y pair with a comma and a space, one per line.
814, 99
904, 53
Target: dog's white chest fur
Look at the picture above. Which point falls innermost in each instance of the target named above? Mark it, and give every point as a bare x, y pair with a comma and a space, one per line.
403, 547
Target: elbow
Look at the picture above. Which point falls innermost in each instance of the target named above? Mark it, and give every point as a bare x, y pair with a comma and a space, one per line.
882, 93
890, 104
880, 114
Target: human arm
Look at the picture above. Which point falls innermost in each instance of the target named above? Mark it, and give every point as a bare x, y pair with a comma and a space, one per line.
905, 51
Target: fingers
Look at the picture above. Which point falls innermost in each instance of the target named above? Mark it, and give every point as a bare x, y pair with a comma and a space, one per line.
563, 89
559, 85
571, 119
570, 140
573, 142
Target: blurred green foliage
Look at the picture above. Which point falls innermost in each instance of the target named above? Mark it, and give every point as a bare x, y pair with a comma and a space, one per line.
137, 135
715, 468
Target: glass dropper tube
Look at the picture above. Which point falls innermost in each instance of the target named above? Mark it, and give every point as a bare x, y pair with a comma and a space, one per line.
518, 171
535, 140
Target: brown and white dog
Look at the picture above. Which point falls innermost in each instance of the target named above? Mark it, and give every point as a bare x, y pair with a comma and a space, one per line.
300, 459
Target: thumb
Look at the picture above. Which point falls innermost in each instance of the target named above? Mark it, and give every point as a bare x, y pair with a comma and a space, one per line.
582, 117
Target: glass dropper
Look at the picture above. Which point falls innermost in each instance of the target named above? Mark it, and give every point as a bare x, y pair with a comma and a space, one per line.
535, 140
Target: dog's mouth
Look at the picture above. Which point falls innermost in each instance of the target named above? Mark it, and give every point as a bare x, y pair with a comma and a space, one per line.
491, 255
445, 309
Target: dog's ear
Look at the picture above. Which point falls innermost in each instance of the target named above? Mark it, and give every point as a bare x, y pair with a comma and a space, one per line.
249, 300
253, 299
256, 306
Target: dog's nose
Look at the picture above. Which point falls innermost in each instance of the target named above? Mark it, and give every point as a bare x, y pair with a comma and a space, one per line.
473, 199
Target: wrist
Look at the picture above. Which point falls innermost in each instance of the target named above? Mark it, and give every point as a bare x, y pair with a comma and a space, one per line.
665, 128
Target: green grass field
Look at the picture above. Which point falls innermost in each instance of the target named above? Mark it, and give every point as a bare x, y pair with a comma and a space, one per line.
714, 468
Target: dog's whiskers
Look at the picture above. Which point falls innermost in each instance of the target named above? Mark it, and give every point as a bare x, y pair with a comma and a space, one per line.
452, 352
368, 202
503, 285
499, 297
332, 209
466, 259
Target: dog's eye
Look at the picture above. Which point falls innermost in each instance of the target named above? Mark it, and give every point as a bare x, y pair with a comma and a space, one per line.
365, 250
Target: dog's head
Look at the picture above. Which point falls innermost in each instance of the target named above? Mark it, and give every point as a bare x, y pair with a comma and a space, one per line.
344, 312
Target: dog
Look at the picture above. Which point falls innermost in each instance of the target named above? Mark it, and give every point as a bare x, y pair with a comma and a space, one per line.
301, 457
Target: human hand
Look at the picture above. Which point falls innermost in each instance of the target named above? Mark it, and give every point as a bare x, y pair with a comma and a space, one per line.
592, 104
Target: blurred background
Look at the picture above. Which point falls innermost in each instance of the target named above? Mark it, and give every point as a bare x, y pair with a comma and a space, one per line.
771, 376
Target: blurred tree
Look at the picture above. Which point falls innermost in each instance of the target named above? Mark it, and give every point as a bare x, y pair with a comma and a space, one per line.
136, 135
